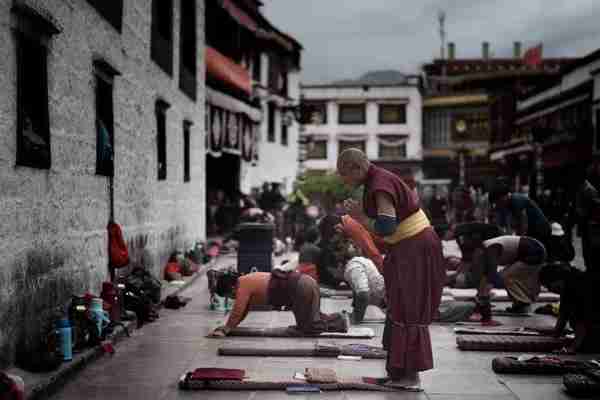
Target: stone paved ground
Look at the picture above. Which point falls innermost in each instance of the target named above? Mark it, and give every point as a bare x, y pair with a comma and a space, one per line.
148, 365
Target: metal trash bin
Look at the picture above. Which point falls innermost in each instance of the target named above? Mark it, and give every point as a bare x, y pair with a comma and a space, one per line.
255, 249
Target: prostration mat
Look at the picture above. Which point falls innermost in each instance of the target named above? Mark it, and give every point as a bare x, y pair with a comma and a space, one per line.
542, 365
583, 384
500, 295
330, 351
187, 383
335, 293
353, 333
497, 331
523, 344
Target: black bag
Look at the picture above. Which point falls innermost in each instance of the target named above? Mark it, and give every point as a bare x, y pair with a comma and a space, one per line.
84, 328
141, 305
42, 356
142, 280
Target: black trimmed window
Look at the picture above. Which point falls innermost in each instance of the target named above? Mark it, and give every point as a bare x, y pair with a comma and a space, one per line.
314, 112
392, 152
284, 134
392, 113
271, 122
187, 125
105, 134
352, 144
256, 66
110, 10
317, 150
188, 56
597, 130
161, 138
161, 37
352, 113
33, 32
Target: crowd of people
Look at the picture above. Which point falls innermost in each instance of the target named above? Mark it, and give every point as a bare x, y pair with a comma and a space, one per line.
391, 251
291, 216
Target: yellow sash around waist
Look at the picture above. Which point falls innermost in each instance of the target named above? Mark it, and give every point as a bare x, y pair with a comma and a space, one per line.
411, 226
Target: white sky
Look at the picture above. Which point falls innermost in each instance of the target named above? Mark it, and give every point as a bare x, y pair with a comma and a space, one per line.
346, 38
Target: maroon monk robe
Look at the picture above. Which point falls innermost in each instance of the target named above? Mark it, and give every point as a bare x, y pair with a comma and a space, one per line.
414, 278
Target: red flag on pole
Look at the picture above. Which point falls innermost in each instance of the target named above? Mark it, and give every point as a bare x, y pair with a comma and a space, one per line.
533, 56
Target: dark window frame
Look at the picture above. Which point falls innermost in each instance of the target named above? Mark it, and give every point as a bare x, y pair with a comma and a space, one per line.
350, 145
188, 44
161, 108
311, 107
597, 111
311, 150
161, 35
271, 110
284, 134
111, 11
384, 157
257, 66
187, 125
32, 32
363, 120
401, 121
104, 117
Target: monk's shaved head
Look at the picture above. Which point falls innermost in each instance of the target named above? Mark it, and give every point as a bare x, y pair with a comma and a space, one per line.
352, 158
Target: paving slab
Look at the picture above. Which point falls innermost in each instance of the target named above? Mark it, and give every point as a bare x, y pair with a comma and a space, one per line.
148, 365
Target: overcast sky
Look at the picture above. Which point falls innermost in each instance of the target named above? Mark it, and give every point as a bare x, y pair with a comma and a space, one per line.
346, 38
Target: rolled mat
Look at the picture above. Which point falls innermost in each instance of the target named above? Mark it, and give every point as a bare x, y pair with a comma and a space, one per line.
332, 293
186, 383
538, 366
353, 333
497, 331
364, 351
523, 344
583, 384
501, 295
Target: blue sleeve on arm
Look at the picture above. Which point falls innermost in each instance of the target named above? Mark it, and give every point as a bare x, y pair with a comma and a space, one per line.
385, 225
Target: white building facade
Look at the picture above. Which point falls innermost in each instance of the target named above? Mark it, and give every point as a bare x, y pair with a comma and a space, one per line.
385, 121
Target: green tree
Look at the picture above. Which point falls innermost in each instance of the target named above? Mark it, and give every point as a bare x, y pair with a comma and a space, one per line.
327, 190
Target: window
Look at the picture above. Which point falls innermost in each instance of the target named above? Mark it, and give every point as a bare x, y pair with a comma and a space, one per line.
256, 66
112, 11
278, 74
33, 122
161, 138
352, 114
284, 134
347, 144
391, 151
392, 113
187, 64
317, 150
597, 130
161, 39
186, 150
271, 122
314, 112
105, 142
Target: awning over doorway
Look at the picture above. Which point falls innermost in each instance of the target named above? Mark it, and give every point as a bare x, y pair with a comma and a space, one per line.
227, 71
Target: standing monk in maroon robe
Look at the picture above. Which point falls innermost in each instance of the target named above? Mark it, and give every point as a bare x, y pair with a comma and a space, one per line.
413, 268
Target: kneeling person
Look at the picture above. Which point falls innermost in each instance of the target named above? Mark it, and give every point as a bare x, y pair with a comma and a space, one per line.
279, 289
522, 257
368, 287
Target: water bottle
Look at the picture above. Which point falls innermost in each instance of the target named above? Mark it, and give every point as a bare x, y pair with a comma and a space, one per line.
98, 314
65, 343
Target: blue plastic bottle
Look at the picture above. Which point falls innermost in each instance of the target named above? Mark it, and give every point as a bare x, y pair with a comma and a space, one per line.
65, 343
